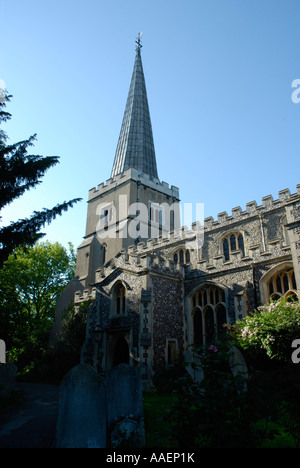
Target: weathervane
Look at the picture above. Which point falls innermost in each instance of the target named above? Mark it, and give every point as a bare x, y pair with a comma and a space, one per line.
138, 41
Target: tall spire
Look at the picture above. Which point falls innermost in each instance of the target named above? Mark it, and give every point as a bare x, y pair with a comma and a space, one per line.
135, 146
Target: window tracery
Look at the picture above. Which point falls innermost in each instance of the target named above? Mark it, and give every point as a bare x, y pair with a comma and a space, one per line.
233, 242
282, 283
209, 314
119, 299
182, 256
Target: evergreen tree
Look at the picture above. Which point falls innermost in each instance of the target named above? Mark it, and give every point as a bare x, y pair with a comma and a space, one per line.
20, 172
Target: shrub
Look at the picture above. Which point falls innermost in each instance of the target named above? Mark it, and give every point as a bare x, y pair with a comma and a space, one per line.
270, 330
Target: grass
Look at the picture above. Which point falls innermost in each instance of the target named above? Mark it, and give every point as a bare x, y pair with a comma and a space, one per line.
157, 406
281, 440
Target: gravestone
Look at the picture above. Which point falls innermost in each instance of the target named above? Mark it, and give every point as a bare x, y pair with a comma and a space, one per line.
238, 368
125, 415
82, 410
193, 365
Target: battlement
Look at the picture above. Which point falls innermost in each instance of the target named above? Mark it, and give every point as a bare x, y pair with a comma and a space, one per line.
193, 239
137, 261
252, 209
133, 174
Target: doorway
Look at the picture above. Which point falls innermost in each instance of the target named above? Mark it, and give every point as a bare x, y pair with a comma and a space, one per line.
121, 352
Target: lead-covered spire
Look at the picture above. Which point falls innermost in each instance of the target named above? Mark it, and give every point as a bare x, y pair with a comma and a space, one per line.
136, 146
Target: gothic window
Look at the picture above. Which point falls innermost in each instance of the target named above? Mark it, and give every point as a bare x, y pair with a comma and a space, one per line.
282, 283
208, 315
233, 242
197, 325
241, 244
183, 255
119, 300
226, 249
209, 324
220, 318
187, 256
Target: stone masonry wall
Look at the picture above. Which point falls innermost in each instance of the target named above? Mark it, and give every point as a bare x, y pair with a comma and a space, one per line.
168, 320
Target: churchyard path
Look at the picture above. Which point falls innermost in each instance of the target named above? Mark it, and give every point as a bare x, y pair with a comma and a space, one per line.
32, 422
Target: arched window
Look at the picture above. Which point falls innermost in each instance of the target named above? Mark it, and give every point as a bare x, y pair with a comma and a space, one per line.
209, 324
183, 255
209, 314
233, 242
226, 249
220, 318
198, 328
282, 283
119, 299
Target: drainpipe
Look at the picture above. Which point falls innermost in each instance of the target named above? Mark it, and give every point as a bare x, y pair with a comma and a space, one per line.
254, 286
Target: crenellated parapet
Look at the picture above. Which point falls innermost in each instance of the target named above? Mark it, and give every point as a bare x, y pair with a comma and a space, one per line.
253, 209
138, 176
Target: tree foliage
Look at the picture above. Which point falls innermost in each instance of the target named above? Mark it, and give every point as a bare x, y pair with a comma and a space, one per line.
31, 280
20, 172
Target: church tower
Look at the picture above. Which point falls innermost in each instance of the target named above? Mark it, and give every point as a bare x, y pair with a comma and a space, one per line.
133, 205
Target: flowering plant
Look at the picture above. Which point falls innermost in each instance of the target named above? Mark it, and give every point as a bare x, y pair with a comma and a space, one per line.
271, 328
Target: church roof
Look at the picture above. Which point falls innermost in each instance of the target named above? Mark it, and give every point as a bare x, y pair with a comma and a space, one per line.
135, 146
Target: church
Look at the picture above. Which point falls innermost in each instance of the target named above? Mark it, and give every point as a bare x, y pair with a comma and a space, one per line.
156, 286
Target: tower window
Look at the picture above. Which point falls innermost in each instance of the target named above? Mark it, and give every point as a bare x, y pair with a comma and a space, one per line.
156, 214
107, 214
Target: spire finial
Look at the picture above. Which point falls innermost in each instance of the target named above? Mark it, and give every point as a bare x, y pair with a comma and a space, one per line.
138, 41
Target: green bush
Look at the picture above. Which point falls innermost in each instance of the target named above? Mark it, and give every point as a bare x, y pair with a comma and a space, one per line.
269, 331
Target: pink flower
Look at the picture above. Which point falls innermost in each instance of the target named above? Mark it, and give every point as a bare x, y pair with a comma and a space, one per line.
213, 348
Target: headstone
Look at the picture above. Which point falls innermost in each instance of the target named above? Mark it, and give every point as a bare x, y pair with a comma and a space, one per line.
82, 410
125, 415
238, 368
8, 374
193, 365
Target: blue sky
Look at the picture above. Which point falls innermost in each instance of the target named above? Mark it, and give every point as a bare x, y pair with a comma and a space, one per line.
219, 81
